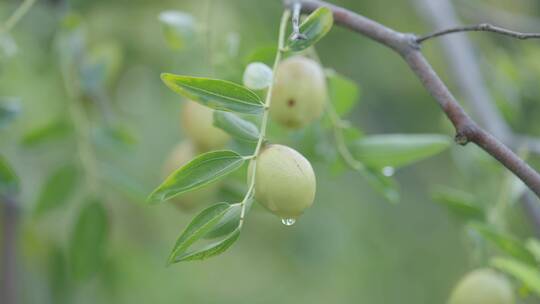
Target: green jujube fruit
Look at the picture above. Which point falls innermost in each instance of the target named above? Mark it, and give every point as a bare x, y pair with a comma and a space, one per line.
284, 181
299, 93
197, 124
483, 286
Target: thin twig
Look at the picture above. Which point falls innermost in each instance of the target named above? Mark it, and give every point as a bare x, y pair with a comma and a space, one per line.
483, 27
296, 35
468, 76
337, 126
82, 127
406, 45
17, 16
463, 64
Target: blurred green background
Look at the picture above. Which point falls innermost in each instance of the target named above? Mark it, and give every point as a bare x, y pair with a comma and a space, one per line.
351, 247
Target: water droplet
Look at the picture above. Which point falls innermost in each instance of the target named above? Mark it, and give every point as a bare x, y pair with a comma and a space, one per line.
388, 171
288, 221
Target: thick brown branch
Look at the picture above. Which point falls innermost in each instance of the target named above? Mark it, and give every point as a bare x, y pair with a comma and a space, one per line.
407, 46
483, 27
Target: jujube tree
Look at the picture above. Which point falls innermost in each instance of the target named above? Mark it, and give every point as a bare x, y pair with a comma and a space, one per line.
237, 138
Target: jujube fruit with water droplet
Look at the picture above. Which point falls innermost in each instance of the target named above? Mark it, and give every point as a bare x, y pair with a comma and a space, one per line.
197, 124
180, 155
483, 286
284, 181
299, 93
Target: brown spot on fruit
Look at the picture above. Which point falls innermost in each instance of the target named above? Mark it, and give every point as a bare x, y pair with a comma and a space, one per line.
299, 92
291, 103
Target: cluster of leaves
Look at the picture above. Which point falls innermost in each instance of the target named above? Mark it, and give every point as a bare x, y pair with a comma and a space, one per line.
232, 102
376, 157
89, 74
227, 99
518, 258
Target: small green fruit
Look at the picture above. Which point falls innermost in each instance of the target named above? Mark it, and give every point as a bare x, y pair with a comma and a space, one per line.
284, 181
179, 156
483, 286
299, 93
197, 124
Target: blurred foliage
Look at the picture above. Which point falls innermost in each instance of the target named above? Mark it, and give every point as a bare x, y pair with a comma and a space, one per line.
82, 106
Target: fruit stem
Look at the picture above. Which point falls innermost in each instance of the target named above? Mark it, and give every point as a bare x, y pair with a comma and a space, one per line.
337, 125
280, 50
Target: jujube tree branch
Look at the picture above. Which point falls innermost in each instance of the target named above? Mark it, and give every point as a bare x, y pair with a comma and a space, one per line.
407, 46
467, 74
483, 27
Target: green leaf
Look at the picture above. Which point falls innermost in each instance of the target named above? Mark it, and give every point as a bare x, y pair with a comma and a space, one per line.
198, 227
201, 171
344, 93
58, 188
505, 242
9, 182
115, 137
527, 274
316, 25
217, 94
53, 130
10, 108
458, 202
351, 134
58, 275
397, 150
88, 240
123, 182
533, 245
228, 223
237, 127
212, 249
